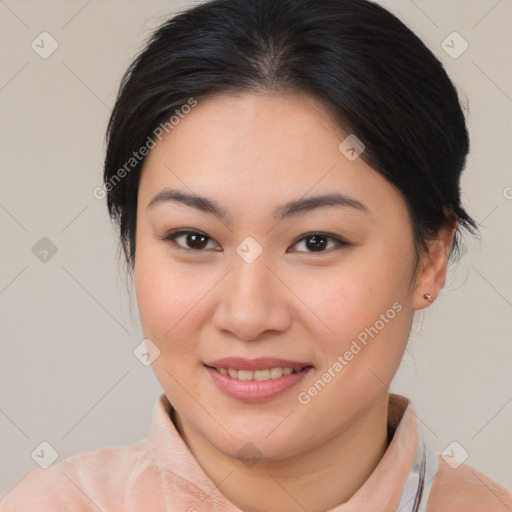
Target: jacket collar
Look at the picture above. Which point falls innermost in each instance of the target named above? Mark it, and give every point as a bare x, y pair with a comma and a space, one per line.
384, 489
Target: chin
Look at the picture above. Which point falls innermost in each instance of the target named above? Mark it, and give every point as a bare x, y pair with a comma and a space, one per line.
251, 446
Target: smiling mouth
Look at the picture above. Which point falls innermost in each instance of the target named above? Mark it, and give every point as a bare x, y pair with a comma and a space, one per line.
259, 375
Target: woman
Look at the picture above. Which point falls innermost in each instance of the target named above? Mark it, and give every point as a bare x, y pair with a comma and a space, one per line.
285, 178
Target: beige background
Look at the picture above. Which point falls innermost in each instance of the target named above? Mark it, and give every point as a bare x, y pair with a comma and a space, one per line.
68, 373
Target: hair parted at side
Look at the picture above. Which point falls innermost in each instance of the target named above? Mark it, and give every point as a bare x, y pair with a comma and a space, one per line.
371, 72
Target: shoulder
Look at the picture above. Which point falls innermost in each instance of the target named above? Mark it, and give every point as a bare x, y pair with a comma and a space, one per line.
465, 489
82, 482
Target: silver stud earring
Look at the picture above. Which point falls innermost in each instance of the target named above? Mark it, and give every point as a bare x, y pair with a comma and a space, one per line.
428, 297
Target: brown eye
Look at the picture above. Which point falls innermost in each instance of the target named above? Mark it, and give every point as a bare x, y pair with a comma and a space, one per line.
192, 240
196, 241
317, 242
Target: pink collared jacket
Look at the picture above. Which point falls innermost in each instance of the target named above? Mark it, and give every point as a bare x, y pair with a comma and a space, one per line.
160, 474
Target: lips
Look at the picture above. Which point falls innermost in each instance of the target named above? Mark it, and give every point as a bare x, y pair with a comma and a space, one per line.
256, 380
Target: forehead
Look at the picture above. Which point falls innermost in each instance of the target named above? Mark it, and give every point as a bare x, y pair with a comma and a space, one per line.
246, 130
251, 147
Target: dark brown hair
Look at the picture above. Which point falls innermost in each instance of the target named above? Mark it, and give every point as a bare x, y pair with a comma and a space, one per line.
372, 73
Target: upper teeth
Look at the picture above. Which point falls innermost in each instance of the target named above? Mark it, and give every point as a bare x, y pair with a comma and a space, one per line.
268, 374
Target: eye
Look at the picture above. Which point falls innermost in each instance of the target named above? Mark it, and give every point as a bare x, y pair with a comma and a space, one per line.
196, 241
193, 240
317, 242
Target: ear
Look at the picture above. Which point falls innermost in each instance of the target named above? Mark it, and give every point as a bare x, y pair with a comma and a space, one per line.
432, 276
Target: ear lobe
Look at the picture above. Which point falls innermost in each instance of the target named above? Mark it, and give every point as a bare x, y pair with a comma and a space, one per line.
434, 265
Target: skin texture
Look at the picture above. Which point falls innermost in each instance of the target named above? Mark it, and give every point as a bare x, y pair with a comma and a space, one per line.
252, 153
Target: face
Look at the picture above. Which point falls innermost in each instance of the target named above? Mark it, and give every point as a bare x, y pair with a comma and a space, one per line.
262, 279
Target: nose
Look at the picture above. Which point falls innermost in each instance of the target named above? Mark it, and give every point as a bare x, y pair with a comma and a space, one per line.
252, 302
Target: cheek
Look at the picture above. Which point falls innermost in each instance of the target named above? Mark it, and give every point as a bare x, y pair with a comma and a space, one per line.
168, 297
354, 295
366, 320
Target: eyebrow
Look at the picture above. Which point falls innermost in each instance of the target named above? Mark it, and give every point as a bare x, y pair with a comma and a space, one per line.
292, 208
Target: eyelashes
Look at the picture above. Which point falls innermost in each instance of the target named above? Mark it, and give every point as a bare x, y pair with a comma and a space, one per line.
198, 241
197, 236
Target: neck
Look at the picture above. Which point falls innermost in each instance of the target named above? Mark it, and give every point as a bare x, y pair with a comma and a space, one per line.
316, 480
